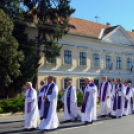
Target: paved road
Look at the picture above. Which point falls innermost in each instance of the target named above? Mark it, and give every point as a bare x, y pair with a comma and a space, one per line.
125, 125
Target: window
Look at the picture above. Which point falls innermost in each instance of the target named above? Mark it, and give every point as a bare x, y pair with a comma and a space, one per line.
129, 81
96, 82
72, 27
55, 80
129, 63
109, 80
65, 82
67, 57
82, 82
83, 58
96, 60
119, 63
52, 60
108, 61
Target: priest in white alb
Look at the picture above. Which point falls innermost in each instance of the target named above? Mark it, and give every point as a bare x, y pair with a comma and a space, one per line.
112, 94
119, 93
40, 99
70, 103
50, 118
88, 110
127, 105
32, 120
104, 97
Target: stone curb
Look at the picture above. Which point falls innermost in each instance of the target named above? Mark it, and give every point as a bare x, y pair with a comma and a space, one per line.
22, 113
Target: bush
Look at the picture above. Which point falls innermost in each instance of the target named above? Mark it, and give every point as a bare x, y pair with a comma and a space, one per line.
13, 105
79, 99
60, 104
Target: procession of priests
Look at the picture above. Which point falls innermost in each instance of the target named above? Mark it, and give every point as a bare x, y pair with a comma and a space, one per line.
116, 100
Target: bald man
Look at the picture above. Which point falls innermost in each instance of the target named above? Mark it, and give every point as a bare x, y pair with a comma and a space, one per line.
32, 120
70, 103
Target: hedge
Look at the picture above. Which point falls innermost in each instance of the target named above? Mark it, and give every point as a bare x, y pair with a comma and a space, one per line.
16, 104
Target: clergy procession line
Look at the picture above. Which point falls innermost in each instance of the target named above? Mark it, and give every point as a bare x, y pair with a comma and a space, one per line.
41, 112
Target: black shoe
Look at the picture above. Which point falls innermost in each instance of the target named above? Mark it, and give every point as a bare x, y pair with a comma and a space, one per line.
86, 123
25, 129
67, 121
41, 118
114, 117
33, 129
76, 119
119, 116
44, 131
124, 115
102, 116
109, 115
90, 122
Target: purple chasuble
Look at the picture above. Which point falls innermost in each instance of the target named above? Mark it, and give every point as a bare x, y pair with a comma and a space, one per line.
47, 103
114, 105
29, 103
68, 98
119, 97
40, 98
85, 99
104, 92
126, 101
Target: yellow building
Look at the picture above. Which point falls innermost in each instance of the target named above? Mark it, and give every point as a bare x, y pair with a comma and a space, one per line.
89, 49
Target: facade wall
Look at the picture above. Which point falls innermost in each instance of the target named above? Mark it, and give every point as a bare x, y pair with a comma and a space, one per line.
60, 70
77, 44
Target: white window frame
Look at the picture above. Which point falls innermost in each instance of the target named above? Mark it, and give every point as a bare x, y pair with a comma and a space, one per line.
79, 58
53, 63
64, 57
98, 61
131, 63
98, 82
79, 82
110, 60
121, 62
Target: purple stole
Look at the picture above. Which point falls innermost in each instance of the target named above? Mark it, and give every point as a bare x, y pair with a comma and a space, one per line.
104, 92
47, 103
119, 97
114, 105
40, 98
29, 103
68, 98
85, 99
126, 101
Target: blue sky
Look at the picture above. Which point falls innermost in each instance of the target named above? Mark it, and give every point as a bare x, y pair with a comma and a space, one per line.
117, 12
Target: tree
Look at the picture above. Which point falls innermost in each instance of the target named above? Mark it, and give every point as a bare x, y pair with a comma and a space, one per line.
10, 57
29, 65
53, 17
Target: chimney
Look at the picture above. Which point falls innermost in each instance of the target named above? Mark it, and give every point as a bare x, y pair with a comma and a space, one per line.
132, 30
108, 24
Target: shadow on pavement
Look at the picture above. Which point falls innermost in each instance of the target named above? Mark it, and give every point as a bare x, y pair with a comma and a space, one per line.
11, 122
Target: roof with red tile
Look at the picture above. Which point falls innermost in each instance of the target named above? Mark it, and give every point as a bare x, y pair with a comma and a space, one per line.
90, 29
